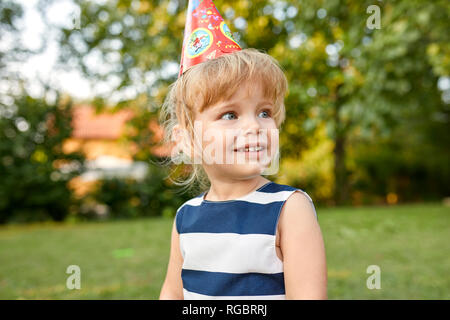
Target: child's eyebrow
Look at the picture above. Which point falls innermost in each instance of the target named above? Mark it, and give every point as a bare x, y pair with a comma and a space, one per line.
229, 105
237, 105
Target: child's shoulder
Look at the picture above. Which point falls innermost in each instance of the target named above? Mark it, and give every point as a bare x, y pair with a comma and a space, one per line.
294, 196
276, 187
195, 201
273, 187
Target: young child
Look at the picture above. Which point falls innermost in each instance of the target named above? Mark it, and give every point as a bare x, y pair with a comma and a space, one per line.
244, 237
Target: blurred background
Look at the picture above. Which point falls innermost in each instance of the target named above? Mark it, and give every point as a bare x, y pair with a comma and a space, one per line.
366, 135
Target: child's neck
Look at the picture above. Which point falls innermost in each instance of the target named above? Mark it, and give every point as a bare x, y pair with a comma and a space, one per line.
229, 189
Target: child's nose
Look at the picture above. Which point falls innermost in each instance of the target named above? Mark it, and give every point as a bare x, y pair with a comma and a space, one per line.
252, 125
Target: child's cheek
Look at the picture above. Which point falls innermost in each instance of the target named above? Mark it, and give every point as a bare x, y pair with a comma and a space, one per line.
212, 143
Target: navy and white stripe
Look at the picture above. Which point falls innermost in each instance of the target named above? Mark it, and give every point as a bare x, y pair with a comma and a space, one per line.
229, 246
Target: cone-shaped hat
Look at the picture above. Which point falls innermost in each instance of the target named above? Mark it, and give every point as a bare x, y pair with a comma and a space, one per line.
206, 36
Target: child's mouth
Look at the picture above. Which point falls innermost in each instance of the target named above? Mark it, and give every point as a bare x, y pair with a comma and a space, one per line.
251, 150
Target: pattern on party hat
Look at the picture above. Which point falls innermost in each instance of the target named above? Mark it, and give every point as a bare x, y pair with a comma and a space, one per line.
206, 35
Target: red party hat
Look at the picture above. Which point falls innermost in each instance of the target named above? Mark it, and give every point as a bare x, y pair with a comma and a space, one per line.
206, 35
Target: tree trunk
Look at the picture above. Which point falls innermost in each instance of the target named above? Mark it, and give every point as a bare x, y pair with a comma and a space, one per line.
340, 171
341, 188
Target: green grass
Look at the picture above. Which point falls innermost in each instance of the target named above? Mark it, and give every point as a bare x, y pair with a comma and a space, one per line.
128, 259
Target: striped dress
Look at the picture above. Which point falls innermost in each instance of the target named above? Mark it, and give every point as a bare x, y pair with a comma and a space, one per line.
229, 246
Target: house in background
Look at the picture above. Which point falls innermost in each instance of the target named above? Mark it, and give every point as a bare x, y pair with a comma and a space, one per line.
97, 136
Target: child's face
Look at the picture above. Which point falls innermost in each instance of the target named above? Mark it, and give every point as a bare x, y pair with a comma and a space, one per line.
238, 137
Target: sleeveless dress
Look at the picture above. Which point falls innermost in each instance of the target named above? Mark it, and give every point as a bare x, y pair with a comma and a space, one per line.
229, 246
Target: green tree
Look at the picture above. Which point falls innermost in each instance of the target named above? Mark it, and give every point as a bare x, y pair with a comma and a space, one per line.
357, 81
32, 173
10, 13
360, 81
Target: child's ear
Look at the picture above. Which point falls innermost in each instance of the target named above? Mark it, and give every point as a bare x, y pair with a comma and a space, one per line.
177, 137
181, 139
176, 134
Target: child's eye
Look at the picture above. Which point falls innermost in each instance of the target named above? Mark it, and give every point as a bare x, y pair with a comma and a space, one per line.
228, 116
264, 114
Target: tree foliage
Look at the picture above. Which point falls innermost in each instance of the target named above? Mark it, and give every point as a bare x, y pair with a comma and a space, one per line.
33, 176
360, 83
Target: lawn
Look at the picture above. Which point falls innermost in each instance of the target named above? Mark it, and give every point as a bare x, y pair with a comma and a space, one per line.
128, 259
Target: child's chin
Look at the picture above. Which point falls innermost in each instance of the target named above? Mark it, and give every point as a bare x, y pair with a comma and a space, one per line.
246, 170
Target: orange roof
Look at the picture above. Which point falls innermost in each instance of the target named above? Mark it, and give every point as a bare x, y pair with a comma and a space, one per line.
86, 124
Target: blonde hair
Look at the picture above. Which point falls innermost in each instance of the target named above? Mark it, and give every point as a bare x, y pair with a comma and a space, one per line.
214, 81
